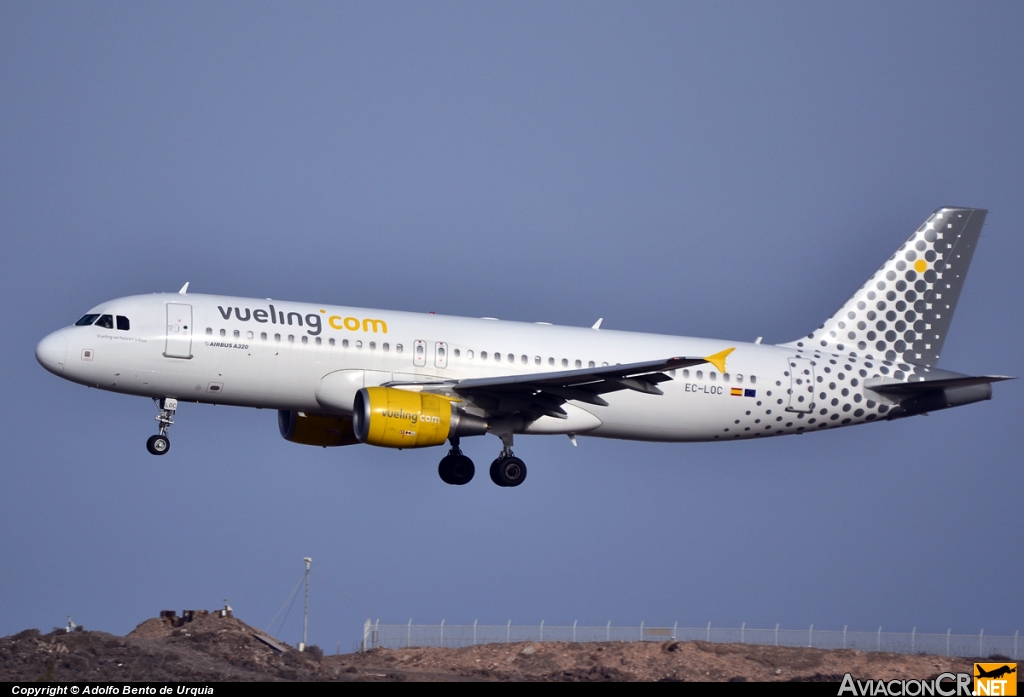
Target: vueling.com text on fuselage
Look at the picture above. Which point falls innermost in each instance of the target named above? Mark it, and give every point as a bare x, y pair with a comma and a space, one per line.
271, 315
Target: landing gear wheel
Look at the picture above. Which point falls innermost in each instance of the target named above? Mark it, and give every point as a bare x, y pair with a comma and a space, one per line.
456, 469
495, 477
508, 471
158, 445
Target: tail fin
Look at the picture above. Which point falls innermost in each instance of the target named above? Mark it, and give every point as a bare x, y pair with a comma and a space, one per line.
904, 310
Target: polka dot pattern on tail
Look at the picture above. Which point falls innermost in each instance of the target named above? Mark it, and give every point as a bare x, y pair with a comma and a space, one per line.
903, 312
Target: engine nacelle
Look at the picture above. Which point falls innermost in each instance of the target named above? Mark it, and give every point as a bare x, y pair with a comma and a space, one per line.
325, 430
394, 418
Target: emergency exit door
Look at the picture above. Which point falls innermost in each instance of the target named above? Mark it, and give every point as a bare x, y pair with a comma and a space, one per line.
801, 385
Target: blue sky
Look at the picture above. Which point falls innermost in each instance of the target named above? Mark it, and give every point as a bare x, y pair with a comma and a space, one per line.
730, 170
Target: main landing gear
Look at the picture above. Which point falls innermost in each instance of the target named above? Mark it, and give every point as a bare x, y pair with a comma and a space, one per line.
455, 468
508, 470
160, 443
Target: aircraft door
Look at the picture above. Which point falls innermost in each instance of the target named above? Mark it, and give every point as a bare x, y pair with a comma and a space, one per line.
419, 352
801, 385
440, 354
179, 331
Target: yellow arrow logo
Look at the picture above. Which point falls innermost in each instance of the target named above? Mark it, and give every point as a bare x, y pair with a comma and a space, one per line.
718, 359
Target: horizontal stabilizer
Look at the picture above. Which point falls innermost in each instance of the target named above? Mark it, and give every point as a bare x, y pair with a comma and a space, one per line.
899, 389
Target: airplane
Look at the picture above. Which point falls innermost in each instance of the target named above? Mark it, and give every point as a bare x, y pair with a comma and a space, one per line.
344, 375
995, 672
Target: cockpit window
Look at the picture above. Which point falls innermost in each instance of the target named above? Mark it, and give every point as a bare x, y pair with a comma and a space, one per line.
105, 321
122, 323
86, 320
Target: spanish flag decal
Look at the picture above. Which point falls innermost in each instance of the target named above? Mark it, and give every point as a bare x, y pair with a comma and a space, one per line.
737, 392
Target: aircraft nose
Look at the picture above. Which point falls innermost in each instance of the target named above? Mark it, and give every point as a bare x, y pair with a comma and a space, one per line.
51, 352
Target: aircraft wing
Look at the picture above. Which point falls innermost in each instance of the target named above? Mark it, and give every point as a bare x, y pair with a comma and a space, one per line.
542, 394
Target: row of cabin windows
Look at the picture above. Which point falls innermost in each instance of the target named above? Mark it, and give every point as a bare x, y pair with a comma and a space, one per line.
420, 349
712, 375
537, 360
236, 334
105, 321
523, 359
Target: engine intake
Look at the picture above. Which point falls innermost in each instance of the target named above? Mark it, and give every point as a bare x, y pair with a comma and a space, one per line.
325, 430
394, 418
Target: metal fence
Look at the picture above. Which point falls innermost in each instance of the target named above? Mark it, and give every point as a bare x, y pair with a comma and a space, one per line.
394, 636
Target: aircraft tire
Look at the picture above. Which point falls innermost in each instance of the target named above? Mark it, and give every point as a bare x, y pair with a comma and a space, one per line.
158, 445
456, 470
495, 477
508, 471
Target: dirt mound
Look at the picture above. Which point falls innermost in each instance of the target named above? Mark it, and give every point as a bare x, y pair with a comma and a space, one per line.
647, 661
212, 648
215, 648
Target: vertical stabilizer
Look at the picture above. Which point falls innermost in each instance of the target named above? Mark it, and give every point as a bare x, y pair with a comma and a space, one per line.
904, 310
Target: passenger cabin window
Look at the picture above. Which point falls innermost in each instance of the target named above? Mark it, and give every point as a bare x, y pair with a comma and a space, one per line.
122, 323
398, 349
105, 321
209, 331
700, 374
565, 362
331, 342
86, 320
237, 334
579, 363
263, 336
753, 379
223, 332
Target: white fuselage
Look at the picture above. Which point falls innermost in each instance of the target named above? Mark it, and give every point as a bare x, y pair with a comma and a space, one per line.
274, 354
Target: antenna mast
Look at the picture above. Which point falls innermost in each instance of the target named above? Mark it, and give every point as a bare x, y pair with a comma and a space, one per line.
305, 610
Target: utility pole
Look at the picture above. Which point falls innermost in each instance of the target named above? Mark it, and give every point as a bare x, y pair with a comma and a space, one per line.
305, 611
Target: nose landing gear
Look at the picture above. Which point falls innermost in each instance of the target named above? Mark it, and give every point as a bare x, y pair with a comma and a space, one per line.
160, 443
455, 468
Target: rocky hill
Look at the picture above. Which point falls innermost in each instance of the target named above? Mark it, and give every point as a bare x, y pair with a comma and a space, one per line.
216, 648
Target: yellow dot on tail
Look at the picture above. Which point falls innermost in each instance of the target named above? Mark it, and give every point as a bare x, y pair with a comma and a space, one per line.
920, 265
